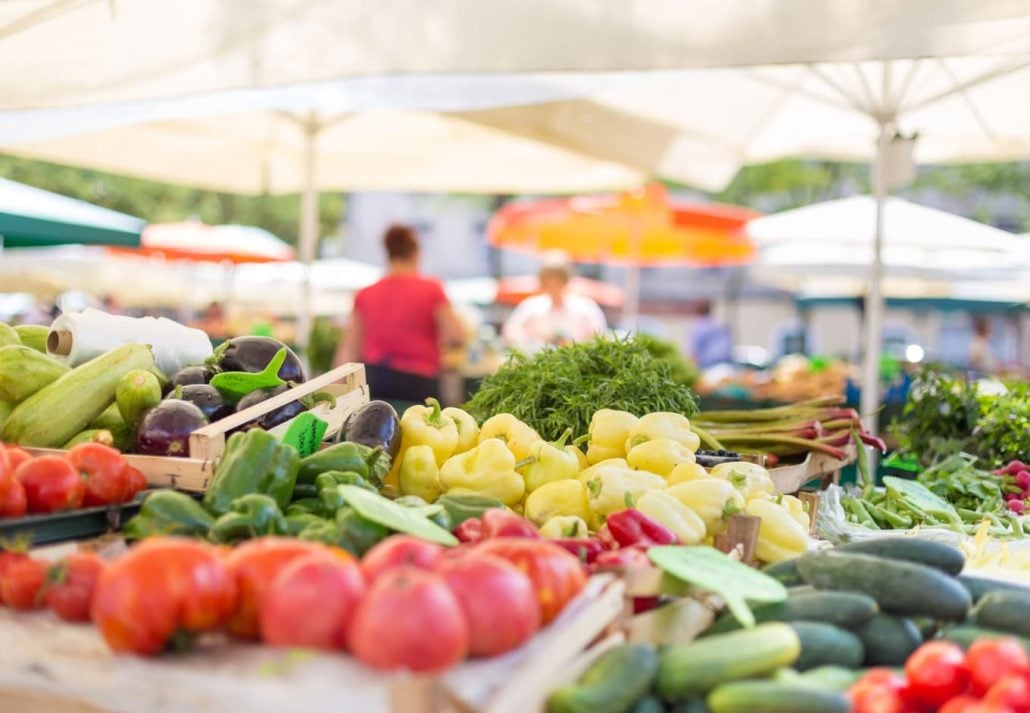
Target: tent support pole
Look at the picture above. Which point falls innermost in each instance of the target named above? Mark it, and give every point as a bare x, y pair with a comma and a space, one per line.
874, 304
308, 229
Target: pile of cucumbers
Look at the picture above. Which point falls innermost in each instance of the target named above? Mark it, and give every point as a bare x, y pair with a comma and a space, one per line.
855, 606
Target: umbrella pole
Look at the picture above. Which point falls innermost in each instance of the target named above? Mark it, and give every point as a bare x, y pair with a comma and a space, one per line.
631, 305
308, 231
874, 305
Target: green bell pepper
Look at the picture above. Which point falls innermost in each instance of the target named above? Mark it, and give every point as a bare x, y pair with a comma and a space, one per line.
252, 515
352, 457
304, 490
253, 462
348, 530
168, 512
305, 506
466, 507
298, 523
332, 478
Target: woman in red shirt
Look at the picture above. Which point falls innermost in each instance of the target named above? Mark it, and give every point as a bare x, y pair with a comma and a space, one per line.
398, 325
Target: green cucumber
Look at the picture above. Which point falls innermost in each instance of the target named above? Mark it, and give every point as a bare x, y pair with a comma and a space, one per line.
826, 644
773, 697
980, 586
24, 371
90, 435
846, 609
1004, 611
888, 640
695, 668
33, 336
898, 587
648, 704
55, 413
8, 335
612, 684
109, 418
965, 635
785, 572
910, 549
830, 678
5, 410
136, 392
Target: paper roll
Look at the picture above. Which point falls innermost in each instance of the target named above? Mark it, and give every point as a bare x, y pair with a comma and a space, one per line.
77, 337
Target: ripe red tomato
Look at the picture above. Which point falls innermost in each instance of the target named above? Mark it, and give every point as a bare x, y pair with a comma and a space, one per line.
255, 564
16, 456
991, 659
497, 599
71, 583
12, 496
21, 586
409, 620
878, 691
160, 588
137, 482
498, 522
557, 575
400, 550
51, 484
1012, 691
312, 602
936, 673
103, 469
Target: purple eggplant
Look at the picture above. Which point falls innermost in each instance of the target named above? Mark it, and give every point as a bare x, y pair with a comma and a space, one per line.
252, 354
165, 429
272, 418
375, 425
207, 398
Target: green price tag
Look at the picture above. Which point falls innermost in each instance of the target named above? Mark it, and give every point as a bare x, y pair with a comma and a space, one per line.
241, 383
305, 433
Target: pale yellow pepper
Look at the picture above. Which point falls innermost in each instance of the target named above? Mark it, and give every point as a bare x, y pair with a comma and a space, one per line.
796, 508
423, 425
612, 485
663, 424
780, 536
564, 526
468, 429
712, 499
515, 434
685, 472
550, 462
659, 456
488, 469
750, 479
419, 474
666, 510
608, 431
559, 497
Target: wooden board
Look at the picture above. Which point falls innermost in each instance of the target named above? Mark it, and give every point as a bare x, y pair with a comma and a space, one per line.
791, 478
48, 665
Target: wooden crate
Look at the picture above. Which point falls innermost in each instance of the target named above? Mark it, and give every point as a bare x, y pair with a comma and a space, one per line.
346, 383
816, 466
47, 666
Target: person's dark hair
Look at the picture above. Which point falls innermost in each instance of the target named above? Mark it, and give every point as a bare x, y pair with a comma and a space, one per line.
401, 242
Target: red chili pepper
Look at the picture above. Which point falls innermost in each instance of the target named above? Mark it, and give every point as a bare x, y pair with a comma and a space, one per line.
632, 527
604, 536
586, 549
625, 557
469, 531
501, 523
871, 440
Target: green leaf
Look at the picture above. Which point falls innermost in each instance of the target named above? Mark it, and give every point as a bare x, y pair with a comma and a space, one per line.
396, 517
711, 570
920, 496
241, 383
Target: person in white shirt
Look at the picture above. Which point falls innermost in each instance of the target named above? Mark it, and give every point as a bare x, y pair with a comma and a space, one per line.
556, 316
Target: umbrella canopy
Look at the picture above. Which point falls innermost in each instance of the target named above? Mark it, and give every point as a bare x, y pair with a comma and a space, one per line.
194, 240
30, 217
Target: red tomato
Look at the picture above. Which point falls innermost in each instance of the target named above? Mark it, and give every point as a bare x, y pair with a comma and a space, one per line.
51, 484
16, 456
161, 587
991, 659
400, 550
137, 481
255, 564
936, 673
557, 576
103, 469
878, 691
497, 599
409, 620
498, 522
71, 583
21, 586
1012, 691
312, 602
972, 704
12, 496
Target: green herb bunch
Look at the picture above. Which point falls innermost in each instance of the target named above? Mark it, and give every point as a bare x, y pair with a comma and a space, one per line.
560, 388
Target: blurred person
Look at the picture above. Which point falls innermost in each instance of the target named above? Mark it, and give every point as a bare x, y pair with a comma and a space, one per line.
110, 304
710, 341
555, 316
212, 320
398, 325
981, 355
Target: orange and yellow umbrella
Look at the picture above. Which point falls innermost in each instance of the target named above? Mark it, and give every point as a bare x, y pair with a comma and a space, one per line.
641, 228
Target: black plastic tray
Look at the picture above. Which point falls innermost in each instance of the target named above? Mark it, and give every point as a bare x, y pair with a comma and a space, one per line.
69, 525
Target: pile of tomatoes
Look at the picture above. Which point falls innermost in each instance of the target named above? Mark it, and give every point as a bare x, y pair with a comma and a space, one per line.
90, 474
993, 676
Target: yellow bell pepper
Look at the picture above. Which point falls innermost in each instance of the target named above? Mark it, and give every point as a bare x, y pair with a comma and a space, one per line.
419, 475
608, 432
579, 455
662, 424
686, 472
612, 485
711, 498
796, 508
559, 497
659, 456
424, 425
674, 515
550, 462
749, 478
468, 429
512, 432
780, 536
564, 526
488, 469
